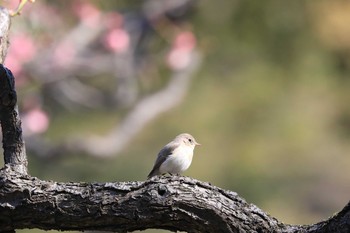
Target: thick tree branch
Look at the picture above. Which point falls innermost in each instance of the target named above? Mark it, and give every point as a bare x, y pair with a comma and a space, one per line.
13, 144
338, 223
172, 203
14, 151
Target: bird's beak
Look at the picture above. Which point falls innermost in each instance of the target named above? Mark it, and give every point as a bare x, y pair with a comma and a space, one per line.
197, 144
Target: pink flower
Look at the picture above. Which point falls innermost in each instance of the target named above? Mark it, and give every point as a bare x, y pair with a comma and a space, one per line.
10, 4
179, 56
13, 64
117, 40
35, 121
185, 40
22, 47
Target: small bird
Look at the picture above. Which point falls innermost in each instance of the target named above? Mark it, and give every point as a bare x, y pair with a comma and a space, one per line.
176, 156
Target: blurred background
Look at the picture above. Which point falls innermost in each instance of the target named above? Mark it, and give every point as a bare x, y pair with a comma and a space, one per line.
264, 86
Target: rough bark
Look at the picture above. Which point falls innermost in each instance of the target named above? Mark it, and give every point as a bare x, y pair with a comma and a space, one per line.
5, 23
13, 144
172, 203
175, 203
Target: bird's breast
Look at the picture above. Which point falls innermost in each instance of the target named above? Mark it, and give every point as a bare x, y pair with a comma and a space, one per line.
178, 161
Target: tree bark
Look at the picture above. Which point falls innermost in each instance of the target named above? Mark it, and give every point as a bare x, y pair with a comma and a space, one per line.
5, 23
172, 203
13, 144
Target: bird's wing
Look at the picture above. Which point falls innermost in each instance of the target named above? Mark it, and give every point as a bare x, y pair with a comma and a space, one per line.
163, 154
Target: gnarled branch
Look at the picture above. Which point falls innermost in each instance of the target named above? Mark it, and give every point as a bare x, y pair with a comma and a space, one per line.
172, 203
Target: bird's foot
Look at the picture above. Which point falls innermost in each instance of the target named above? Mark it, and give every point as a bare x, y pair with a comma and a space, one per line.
174, 174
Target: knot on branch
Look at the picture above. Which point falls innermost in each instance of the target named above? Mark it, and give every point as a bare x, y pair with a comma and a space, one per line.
162, 190
8, 96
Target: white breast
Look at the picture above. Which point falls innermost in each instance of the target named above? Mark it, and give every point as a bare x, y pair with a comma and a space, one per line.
179, 161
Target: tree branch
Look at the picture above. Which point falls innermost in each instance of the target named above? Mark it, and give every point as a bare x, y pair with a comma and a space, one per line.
340, 222
172, 203
5, 22
13, 144
14, 151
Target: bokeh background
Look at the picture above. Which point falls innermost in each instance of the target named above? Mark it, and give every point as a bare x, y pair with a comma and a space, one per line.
264, 86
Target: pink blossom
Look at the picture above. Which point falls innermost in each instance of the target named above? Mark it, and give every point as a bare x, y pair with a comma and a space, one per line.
22, 47
185, 40
35, 121
13, 64
11, 4
117, 40
179, 57
21, 50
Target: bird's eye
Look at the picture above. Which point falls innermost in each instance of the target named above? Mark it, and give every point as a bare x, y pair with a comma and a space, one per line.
190, 140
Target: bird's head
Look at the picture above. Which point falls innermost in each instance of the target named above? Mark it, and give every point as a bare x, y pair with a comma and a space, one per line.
187, 139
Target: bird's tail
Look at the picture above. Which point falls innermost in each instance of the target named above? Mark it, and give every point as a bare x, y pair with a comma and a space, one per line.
152, 173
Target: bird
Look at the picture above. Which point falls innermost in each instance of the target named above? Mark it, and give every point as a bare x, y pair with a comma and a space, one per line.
176, 156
